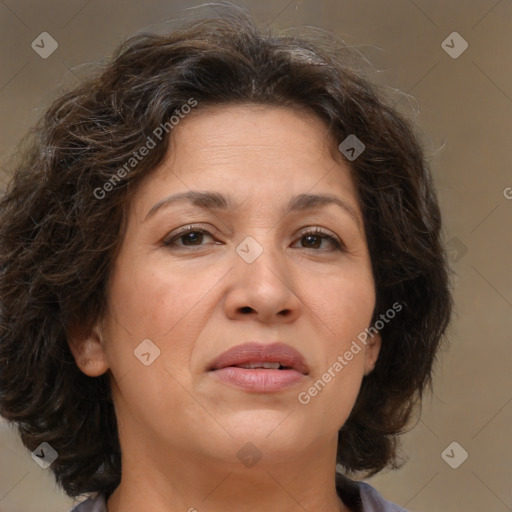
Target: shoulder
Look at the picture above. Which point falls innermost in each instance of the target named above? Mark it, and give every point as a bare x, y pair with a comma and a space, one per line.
372, 501
95, 503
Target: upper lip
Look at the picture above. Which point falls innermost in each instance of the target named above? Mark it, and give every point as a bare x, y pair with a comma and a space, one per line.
261, 353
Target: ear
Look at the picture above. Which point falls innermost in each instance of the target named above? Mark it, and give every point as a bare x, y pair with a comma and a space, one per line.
88, 351
372, 353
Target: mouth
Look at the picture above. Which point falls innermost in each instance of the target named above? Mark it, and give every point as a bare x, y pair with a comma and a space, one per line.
268, 366
260, 368
251, 356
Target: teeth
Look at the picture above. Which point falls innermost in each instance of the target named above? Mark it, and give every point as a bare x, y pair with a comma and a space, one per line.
250, 366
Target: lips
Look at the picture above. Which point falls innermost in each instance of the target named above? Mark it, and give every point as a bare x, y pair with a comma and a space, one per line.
257, 356
260, 368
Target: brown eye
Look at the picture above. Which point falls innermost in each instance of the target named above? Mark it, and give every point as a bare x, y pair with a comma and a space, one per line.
187, 237
313, 240
192, 238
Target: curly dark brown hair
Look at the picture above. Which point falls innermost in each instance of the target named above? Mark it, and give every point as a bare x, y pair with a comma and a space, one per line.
59, 240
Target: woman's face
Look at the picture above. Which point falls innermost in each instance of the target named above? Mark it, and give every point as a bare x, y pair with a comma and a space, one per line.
239, 264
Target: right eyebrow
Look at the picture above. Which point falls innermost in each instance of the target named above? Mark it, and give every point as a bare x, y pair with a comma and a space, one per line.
205, 200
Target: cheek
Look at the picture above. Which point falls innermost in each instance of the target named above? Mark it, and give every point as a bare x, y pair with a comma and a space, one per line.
149, 299
145, 305
344, 304
137, 291
345, 307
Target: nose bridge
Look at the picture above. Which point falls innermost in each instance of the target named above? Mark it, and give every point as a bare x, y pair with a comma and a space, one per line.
259, 255
263, 282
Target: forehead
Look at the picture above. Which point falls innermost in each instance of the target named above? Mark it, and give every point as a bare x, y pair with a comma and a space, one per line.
250, 150
256, 129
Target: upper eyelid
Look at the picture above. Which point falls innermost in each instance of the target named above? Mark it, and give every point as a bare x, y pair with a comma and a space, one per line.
193, 227
184, 230
315, 230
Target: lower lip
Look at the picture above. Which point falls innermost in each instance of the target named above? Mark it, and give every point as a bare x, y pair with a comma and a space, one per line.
259, 380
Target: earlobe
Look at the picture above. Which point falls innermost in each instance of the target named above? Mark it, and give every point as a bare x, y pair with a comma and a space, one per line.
372, 353
88, 351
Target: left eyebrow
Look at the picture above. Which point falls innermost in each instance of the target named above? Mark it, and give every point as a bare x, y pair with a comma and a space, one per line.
217, 201
304, 202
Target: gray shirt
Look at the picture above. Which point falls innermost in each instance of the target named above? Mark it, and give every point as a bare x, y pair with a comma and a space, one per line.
372, 502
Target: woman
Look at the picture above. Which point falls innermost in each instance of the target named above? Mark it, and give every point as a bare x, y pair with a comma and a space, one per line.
221, 278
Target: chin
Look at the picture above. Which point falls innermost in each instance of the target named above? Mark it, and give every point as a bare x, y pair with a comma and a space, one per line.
269, 430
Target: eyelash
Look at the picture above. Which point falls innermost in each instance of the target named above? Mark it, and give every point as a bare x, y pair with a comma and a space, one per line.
170, 242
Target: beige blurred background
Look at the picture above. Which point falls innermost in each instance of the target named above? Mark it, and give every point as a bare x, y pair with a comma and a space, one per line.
463, 107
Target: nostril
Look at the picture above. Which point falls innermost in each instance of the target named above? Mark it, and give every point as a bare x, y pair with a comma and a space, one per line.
246, 309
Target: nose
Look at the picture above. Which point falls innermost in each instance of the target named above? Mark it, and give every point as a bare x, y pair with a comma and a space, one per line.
263, 290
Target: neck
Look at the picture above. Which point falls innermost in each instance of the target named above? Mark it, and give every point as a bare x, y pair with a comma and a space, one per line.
185, 483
